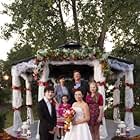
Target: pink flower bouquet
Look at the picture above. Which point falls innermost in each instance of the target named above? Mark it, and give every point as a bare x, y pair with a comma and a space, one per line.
68, 116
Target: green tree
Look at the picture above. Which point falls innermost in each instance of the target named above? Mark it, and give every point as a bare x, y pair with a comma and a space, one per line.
17, 53
41, 23
1, 73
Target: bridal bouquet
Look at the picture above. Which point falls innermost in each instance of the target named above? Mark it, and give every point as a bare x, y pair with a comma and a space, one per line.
68, 117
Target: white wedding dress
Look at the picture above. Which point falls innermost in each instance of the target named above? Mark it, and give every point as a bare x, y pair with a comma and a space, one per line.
80, 131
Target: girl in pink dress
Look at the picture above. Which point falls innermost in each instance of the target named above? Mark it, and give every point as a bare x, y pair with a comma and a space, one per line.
60, 119
95, 102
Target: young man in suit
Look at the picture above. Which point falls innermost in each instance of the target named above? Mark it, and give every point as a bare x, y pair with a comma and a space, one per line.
47, 115
78, 83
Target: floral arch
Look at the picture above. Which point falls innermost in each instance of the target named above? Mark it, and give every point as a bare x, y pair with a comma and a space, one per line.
39, 65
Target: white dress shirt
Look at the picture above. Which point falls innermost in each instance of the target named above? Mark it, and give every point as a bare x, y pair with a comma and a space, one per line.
77, 85
48, 105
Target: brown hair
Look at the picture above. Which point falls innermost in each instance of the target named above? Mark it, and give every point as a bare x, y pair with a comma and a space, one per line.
76, 71
49, 88
76, 89
65, 95
61, 77
93, 81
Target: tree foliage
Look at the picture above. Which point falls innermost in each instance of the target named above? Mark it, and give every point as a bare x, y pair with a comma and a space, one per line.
50, 23
1, 72
46, 24
43, 23
17, 53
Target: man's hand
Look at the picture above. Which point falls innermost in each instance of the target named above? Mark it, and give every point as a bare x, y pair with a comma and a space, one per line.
53, 131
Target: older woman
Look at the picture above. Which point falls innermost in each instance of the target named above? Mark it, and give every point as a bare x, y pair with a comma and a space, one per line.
60, 89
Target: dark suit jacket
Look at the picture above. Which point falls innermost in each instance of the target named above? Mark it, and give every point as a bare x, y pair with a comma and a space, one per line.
84, 88
47, 121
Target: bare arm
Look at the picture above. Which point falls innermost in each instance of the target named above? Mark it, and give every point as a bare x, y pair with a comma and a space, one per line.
100, 114
100, 102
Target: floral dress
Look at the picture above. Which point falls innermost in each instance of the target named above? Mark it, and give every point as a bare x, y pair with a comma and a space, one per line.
60, 110
94, 107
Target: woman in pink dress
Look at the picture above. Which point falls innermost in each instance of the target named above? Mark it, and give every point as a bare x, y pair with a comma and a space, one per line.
60, 119
95, 102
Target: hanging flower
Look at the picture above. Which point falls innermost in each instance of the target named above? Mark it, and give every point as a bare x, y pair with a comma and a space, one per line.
63, 53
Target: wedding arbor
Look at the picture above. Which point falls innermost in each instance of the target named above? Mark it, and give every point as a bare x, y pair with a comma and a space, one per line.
39, 67
125, 69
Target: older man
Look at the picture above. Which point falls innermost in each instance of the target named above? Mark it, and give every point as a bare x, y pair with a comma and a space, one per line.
78, 83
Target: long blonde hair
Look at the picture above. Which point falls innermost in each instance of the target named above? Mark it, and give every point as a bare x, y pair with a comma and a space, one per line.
95, 98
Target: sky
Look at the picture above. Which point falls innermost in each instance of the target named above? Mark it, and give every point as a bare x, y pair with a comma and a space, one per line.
6, 45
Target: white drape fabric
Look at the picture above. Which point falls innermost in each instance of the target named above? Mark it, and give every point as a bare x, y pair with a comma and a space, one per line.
16, 71
129, 81
129, 99
30, 117
118, 65
17, 122
98, 77
16, 99
43, 79
28, 89
116, 101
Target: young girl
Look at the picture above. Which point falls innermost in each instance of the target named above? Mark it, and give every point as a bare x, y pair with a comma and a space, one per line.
95, 102
60, 119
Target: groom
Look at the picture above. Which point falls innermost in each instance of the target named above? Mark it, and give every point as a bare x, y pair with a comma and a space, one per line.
47, 115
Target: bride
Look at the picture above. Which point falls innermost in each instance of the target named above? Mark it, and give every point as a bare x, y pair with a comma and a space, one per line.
80, 129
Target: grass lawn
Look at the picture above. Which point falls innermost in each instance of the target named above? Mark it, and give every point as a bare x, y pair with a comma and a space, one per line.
9, 114
108, 114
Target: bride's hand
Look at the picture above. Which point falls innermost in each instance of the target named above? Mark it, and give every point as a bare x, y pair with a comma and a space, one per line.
74, 122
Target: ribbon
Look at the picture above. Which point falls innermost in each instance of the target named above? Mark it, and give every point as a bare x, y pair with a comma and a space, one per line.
129, 85
129, 109
28, 89
30, 106
15, 109
40, 83
19, 88
16, 88
115, 106
101, 83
